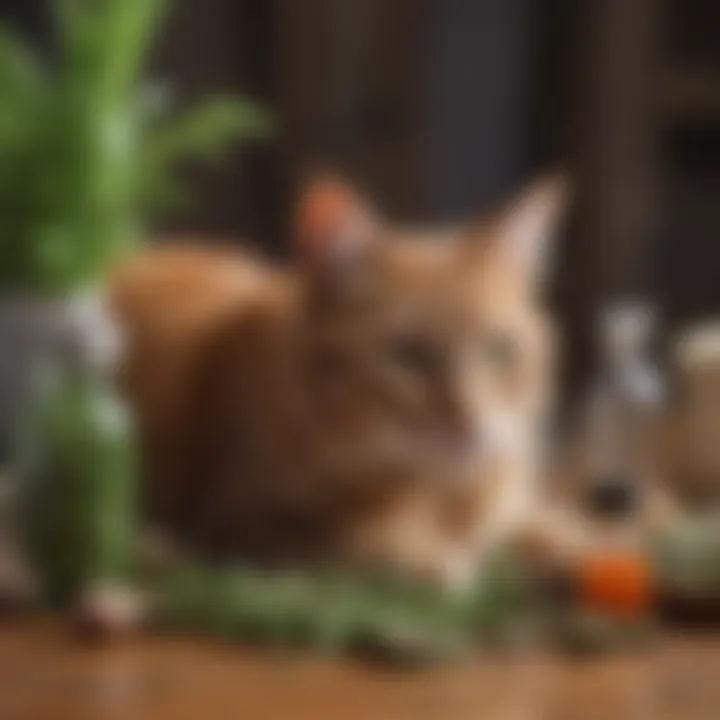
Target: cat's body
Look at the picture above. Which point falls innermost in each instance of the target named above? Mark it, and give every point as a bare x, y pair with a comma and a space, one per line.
384, 402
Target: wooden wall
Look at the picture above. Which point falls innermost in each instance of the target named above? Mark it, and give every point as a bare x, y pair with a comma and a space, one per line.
429, 105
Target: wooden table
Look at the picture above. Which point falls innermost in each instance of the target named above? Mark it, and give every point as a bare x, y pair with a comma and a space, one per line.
46, 676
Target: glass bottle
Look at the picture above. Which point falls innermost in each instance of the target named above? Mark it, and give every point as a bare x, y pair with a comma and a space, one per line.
619, 473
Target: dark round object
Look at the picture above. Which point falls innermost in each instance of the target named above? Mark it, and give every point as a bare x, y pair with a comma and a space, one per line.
612, 496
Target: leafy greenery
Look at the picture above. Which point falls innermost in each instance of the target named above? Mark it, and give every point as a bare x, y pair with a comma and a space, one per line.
687, 559
396, 620
87, 148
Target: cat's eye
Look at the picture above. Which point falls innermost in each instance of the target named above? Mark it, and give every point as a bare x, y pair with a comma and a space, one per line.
500, 349
413, 353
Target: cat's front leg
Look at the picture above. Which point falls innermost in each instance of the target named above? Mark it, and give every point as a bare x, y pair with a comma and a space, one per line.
462, 569
547, 536
455, 569
408, 540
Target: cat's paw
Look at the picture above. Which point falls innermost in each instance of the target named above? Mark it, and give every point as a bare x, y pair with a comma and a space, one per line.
456, 573
461, 574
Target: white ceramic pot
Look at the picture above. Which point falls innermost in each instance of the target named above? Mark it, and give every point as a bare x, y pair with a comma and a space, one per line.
38, 336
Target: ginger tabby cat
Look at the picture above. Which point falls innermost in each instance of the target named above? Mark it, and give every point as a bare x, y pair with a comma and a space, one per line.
382, 402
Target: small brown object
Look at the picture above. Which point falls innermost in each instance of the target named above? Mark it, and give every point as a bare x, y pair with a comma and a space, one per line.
108, 612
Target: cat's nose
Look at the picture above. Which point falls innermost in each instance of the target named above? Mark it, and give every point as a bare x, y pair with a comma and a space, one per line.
461, 426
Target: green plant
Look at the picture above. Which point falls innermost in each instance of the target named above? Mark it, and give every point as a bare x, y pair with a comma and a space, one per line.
87, 151
390, 618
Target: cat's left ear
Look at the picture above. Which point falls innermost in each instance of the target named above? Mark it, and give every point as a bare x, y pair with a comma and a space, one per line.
335, 228
523, 232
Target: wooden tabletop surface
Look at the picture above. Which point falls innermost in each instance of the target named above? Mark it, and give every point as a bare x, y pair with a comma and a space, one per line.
44, 675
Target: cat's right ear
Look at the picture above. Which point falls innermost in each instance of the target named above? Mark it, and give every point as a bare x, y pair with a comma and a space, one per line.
523, 233
335, 230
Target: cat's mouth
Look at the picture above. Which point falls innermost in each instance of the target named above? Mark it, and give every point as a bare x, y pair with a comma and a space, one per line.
461, 456
458, 460
452, 453
440, 453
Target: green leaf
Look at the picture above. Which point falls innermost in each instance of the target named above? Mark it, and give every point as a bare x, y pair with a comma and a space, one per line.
128, 30
201, 133
207, 130
86, 149
104, 44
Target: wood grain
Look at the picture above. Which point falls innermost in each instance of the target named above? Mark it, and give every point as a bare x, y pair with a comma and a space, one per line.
44, 675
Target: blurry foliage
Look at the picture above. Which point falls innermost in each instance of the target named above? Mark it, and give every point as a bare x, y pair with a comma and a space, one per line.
381, 617
687, 560
87, 149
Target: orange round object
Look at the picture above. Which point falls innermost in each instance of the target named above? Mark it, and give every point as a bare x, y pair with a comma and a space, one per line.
616, 584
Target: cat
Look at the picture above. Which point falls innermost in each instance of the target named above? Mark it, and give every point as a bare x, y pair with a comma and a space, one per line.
381, 402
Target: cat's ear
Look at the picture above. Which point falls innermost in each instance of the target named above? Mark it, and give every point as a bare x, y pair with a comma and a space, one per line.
523, 232
335, 228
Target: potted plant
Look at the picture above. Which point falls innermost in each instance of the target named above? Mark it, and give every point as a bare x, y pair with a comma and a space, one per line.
87, 151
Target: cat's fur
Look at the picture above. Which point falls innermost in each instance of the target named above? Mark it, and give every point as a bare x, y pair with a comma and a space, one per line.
384, 401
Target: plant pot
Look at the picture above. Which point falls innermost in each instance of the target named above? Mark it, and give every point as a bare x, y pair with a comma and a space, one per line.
38, 337
70, 442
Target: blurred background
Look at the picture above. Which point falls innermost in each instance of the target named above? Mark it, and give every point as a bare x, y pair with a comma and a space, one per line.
439, 108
